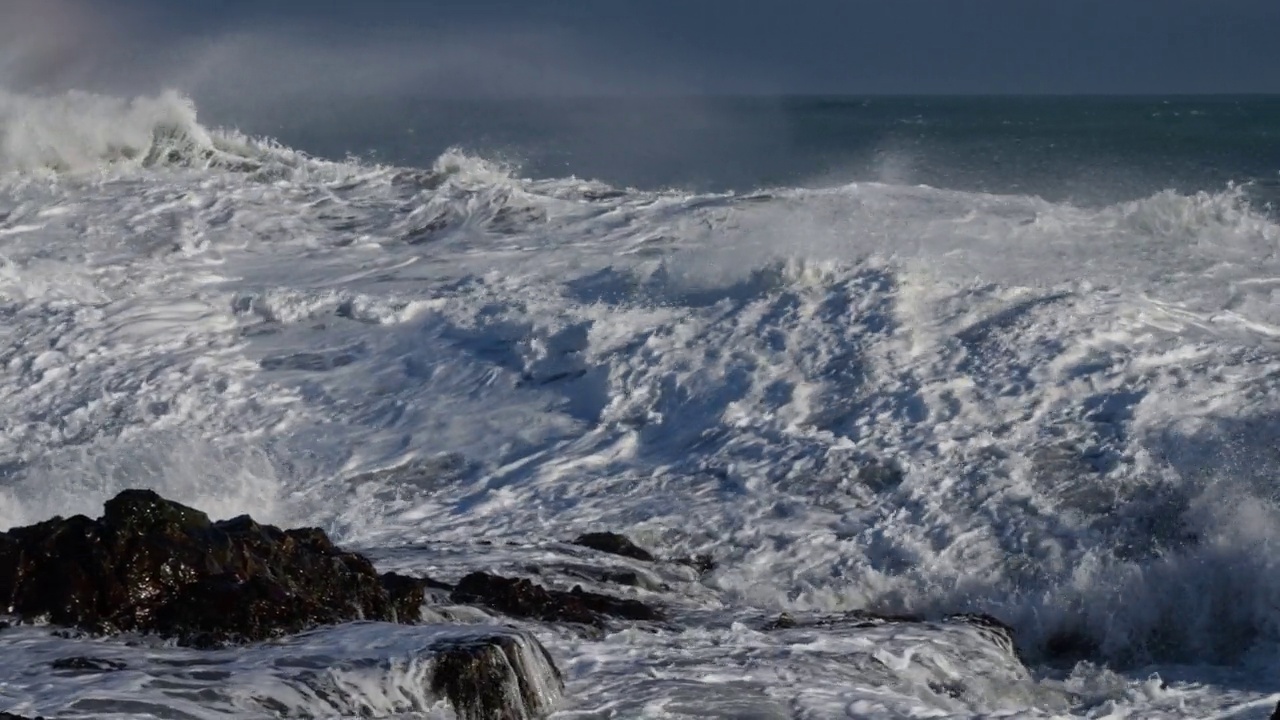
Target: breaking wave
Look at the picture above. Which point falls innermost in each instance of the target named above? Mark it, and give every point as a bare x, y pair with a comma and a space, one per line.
78, 132
1068, 413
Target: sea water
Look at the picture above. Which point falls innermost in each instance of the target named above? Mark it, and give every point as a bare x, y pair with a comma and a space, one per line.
905, 355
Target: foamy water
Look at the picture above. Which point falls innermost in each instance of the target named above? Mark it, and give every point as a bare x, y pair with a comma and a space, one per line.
884, 397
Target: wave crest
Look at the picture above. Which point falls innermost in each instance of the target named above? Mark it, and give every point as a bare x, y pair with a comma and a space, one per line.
78, 132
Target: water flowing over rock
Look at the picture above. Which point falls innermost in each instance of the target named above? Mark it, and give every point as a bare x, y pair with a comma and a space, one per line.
524, 598
495, 676
614, 544
150, 565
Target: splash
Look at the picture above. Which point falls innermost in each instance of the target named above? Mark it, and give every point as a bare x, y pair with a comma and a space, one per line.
79, 132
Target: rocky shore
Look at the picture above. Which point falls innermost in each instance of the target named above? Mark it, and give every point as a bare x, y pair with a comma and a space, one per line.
153, 568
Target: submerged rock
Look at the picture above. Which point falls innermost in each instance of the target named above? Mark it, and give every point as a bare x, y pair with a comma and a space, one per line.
990, 628
523, 598
850, 619
614, 544
702, 564
621, 545
87, 664
495, 676
154, 566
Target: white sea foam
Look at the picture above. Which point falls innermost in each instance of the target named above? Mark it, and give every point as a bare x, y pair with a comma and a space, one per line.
869, 396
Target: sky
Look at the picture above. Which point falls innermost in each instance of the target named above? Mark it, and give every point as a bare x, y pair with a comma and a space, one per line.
602, 47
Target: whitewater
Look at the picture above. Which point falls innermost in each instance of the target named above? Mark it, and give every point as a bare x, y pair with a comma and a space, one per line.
870, 396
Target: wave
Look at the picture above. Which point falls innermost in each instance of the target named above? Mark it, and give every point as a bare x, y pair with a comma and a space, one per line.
78, 132
1078, 399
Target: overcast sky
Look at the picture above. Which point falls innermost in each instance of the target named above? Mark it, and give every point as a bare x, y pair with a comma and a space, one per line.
649, 46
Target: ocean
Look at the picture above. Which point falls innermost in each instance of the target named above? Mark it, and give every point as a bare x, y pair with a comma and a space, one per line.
1009, 356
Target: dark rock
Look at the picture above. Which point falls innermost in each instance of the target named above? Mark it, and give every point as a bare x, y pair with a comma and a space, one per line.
495, 676
523, 598
11, 716
851, 619
408, 594
1069, 646
629, 578
954, 689
992, 628
614, 544
1276, 715
784, 622
880, 476
607, 575
87, 664
609, 606
153, 566
703, 564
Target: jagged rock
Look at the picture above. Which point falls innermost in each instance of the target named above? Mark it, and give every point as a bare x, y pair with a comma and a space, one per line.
614, 544
703, 564
495, 676
1276, 715
523, 598
369, 670
995, 629
621, 545
11, 716
87, 664
409, 593
154, 566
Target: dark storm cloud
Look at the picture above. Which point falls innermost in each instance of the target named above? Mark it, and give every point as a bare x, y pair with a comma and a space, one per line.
715, 46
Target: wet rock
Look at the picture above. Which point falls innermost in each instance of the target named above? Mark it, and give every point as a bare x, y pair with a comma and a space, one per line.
523, 598
994, 629
880, 476
703, 564
1276, 715
408, 594
1069, 647
954, 689
614, 544
495, 676
11, 716
154, 566
87, 664
851, 619
630, 578
784, 622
